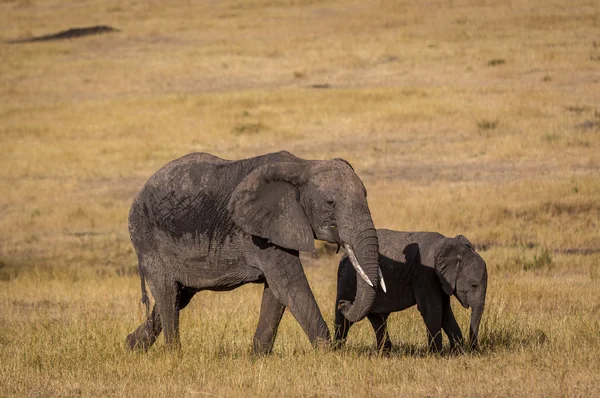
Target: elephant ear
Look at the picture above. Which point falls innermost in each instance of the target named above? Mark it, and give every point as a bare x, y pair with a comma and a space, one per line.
447, 262
463, 239
266, 204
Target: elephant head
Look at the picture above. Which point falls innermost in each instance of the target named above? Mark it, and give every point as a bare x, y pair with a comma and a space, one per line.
463, 273
293, 203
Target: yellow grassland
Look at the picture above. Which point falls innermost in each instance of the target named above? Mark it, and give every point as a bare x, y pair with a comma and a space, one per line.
461, 116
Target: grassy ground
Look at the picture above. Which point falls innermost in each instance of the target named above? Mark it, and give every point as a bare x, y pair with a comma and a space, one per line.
472, 117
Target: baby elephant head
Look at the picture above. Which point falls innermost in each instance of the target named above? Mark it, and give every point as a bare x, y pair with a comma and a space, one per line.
463, 273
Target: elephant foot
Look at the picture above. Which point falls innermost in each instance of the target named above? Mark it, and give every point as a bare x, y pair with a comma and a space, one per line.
385, 350
434, 348
141, 339
384, 353
457, 347
338, 345
322, 344
172, 349
261, 348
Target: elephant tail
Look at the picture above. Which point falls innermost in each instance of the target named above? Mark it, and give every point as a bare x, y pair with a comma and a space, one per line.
145, 299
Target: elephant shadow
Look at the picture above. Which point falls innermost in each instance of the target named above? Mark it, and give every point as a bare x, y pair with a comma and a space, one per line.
401, 350
406, 350
492, 340
510, 338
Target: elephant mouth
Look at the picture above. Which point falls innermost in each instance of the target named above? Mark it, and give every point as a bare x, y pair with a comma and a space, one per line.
461, 299
329, 232
361, 272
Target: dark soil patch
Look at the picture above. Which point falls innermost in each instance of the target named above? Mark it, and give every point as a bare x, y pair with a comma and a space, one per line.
320, 85
72, 33
588, 125
584, 251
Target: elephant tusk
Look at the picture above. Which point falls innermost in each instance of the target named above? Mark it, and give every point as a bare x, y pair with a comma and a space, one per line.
356, 265
382, 282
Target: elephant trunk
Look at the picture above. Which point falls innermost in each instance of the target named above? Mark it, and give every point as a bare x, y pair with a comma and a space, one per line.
476, 313
363, 250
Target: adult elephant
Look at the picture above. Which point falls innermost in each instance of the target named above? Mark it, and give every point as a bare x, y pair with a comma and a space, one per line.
205, 223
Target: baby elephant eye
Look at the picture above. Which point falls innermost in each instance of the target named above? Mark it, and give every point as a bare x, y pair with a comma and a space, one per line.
474, 285
330, 202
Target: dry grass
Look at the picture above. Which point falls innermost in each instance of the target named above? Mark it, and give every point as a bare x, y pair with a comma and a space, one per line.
461, 117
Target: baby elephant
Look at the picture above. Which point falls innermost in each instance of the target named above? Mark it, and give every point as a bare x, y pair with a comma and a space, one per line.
422, 268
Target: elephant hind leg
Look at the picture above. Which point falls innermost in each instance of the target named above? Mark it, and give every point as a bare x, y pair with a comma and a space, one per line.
167, 295
146, 334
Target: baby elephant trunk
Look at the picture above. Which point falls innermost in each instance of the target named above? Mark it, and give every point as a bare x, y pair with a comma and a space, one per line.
476, 313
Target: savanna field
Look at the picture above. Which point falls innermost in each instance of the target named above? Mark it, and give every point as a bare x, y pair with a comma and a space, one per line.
467, 117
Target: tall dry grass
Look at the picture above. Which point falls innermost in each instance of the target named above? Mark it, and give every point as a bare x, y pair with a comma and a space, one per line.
470, 117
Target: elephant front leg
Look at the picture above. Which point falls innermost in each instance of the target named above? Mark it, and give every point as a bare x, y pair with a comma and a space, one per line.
450, 325
431, 311
434, 333
271, 311
379, 323
287, 281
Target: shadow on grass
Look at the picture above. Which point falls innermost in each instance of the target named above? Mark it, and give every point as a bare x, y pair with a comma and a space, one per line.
398, 350
494, 337
510, 340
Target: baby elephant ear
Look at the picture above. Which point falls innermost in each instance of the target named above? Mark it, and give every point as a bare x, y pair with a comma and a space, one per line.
266, 204
446, 265
463, 239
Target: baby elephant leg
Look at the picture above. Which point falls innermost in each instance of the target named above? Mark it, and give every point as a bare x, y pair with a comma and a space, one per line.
431, 311
379, 323
449, 324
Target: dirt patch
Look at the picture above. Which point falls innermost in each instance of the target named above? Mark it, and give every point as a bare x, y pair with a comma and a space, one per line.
588, 125
72, 33
442, 171
119, 188
583, 251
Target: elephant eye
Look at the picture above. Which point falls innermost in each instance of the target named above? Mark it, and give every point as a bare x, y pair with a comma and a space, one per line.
330, 202
474, 285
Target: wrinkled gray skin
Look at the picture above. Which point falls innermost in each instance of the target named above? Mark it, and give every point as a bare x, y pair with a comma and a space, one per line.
422, 268
205, 223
